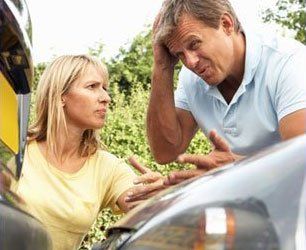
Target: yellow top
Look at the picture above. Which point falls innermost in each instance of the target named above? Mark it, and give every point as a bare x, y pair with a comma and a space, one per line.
68, 204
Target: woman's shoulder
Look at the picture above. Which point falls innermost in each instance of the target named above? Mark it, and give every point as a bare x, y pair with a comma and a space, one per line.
32, 147
104, 157
31, 143
108, 164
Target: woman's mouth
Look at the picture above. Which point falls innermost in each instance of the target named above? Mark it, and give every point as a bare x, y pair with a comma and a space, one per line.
101, 112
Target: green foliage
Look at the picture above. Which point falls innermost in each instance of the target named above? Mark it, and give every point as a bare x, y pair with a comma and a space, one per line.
290, 14
125, 131
5, 153
137, 58
133, 65
96, 51
38, 70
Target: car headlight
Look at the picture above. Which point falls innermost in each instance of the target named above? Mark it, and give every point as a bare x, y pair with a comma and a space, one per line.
238, 225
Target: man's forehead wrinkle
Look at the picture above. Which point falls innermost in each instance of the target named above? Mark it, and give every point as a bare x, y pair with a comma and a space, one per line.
174, 42
179, 38
171, 46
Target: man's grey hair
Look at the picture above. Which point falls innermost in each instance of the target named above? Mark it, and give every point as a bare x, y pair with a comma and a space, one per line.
208, 11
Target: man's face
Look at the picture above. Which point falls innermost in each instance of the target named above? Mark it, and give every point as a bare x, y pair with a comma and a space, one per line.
206, 51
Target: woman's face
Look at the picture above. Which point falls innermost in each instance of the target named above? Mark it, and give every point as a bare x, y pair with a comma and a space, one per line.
86, 102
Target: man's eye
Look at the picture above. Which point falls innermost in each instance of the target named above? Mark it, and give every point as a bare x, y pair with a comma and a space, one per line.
194, 44
179, 55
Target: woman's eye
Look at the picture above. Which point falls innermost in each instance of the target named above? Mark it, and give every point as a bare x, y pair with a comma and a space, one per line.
91, 86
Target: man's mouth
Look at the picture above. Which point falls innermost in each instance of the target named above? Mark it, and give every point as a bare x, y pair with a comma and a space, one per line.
205, 72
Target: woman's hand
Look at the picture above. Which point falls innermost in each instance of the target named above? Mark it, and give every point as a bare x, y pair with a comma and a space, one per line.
148, 184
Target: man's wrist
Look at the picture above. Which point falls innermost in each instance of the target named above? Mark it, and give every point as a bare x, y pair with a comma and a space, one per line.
163, 65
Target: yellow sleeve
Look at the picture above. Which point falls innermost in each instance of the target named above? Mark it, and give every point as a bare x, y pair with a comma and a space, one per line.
122, 179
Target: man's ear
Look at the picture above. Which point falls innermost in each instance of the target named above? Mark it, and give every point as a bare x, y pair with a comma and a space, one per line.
227, 23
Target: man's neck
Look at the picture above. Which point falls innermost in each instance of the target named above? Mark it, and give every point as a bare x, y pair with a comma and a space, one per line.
230, 85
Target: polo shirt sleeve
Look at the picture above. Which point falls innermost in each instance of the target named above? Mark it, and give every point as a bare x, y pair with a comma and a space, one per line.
180, 97
120, 180
290, 94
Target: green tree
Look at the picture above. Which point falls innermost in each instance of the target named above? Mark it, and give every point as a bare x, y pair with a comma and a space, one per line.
132, 66
97, 51
38, 70
290, 14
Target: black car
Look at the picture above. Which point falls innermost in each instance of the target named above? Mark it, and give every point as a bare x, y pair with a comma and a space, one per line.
256, 203
18, 229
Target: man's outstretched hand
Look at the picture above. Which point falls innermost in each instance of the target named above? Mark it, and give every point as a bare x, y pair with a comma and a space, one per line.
219, 156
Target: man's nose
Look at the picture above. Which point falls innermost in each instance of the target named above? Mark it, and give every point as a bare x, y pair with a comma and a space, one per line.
191, 60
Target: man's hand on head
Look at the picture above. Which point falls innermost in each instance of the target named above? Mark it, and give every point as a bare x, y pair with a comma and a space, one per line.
162, 57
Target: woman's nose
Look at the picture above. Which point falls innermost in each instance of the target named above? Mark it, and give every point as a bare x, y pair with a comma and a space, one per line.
104, 96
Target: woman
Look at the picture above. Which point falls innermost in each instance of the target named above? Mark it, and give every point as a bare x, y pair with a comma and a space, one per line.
67, 178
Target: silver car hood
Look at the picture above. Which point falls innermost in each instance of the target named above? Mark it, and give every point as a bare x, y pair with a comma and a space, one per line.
191, 193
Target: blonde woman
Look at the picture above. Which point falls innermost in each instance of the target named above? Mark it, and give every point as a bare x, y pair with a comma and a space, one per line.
67, 178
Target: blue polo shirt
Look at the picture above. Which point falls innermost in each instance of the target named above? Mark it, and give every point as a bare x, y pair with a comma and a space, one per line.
273, 86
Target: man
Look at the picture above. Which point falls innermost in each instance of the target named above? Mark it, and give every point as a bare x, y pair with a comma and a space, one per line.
251, 89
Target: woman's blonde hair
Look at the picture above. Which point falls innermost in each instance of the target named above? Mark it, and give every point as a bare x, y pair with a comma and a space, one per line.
55, 81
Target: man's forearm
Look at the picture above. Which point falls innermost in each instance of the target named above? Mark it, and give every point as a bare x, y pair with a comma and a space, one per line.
163, 126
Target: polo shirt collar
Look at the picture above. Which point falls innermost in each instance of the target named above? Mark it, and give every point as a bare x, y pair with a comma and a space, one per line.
253, 55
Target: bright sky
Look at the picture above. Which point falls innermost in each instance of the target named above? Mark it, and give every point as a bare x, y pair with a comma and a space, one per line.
71, 26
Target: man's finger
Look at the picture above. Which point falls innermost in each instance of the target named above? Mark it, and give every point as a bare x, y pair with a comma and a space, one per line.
218, 142
142, 169
201, 161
